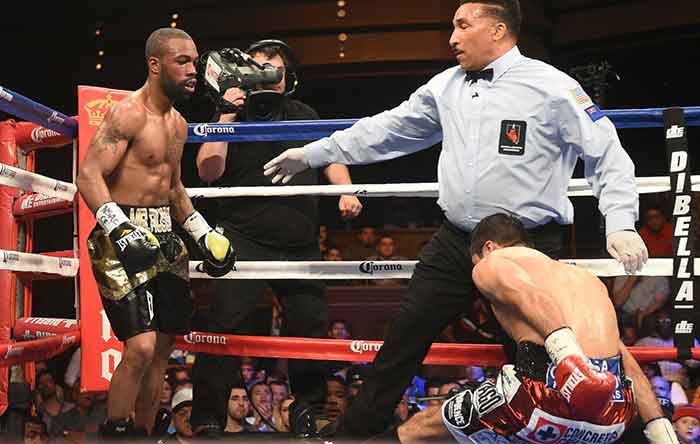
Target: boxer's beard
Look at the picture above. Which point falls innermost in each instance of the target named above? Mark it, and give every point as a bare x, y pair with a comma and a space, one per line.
172, 90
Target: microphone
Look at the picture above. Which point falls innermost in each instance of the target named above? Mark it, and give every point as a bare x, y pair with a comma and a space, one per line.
475, 94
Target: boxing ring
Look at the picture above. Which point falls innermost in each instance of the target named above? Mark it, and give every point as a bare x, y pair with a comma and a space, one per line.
24, 339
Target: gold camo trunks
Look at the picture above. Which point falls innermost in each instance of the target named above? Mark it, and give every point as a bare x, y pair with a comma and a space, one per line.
112, 280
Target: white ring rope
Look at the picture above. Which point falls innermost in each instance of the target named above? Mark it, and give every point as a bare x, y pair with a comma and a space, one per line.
577, 188
38, 263
19, 178
396, 269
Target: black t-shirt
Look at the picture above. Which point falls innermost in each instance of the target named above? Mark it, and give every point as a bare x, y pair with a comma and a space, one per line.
275, 221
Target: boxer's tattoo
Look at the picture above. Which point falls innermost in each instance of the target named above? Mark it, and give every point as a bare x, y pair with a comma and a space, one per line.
108, 135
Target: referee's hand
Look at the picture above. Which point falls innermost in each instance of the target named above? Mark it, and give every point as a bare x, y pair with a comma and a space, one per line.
627, 247
286, 165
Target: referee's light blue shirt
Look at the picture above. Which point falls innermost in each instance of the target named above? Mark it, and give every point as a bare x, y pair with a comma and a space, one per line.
509, 144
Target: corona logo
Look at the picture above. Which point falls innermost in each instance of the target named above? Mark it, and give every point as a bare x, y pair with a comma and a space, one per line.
203, 130
97, 109
362, 346
40, 134
195, 338
370, 267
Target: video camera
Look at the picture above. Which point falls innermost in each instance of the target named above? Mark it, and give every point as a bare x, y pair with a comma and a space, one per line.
232, 68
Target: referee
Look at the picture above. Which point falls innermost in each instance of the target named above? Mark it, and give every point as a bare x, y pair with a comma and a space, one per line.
512, 129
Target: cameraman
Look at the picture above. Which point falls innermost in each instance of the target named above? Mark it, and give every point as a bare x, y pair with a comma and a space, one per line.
266, 228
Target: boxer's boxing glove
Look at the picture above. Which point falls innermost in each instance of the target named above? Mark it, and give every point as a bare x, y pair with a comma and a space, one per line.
136, 247
585, 389
219, 258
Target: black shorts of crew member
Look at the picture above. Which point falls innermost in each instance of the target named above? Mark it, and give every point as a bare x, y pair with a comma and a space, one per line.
157, 299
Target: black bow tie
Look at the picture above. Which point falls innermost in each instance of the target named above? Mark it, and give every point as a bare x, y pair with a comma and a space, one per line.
473, 76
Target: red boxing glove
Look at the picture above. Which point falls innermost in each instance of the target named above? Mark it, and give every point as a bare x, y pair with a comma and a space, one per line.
586, 390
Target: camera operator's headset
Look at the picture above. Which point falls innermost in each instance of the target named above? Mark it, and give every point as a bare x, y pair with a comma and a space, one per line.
291, 79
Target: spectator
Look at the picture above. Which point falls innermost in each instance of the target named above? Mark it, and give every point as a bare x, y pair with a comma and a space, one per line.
277, 317
182, 409
81, 422
40, 366
333, 254
672, 371
279, 392
262, 406
322, 239
336, 398
364, 245
48, 405
449, 388
281, 414
35, 431
666, 389
432, 390
686, 423
473, 375
248, 371
637, 297
629, 332
386, 251
354, 376
402, 411
657, 232
277, 376
339, 329
237, 410
166, 395
163, 422
181, 376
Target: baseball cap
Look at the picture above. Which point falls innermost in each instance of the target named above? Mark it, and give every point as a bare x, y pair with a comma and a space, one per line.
686, 410
181, 398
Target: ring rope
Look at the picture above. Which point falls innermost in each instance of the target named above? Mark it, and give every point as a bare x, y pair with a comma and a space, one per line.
364, 351
68, 267
60, 334
38, 349
19, 178
299, 130
25, 180
577, 188
38, 263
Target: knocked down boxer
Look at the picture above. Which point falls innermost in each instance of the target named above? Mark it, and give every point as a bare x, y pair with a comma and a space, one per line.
573, 381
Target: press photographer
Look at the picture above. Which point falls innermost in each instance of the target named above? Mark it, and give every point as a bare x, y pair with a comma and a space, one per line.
281, 228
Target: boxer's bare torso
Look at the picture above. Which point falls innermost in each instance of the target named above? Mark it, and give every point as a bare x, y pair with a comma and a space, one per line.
583, 298
142, 148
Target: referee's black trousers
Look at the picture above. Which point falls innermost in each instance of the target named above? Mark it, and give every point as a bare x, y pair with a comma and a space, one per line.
440, 289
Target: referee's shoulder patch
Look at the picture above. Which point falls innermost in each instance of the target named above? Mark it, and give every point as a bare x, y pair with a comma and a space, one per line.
583, 100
